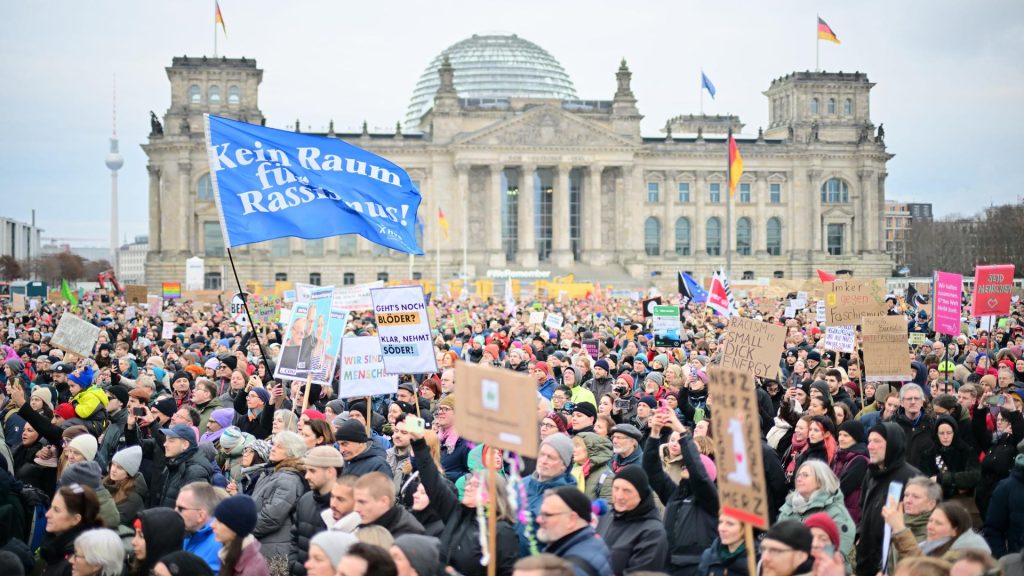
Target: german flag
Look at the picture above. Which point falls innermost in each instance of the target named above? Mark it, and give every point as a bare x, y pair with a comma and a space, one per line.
735, 165
825, 32
442, 221
218, 18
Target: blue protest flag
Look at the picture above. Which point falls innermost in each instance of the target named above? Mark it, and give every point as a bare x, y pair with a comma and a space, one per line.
690, 287
706, 84
273, 183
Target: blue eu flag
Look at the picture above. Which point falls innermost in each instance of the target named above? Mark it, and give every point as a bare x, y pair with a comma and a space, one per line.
706, 84
273, 183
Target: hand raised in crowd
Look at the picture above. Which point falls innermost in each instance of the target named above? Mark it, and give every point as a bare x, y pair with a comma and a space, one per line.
828, 564
231, 488
892, 513
17, 394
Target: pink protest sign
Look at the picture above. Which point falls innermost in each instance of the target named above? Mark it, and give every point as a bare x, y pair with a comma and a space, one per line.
948, 288
993, 289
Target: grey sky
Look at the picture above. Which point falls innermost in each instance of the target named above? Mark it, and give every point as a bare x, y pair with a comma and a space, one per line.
950, 83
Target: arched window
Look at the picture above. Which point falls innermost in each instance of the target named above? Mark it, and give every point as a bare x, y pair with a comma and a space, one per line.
652, 236
774, 230
835, 191
713, 236
195, 95
683, 237
204, 189
234, 95
831, 105
814, 105
214, 94
848, 107
743, 236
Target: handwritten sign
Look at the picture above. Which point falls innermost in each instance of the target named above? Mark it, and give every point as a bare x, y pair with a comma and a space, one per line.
497, 407
819, 312
135, 294
754, 347
993, 289
847, 301
167, 332
737, 434
536, 318
355, 297
840, 338
946, 304
75, 335
18, 301
884, 341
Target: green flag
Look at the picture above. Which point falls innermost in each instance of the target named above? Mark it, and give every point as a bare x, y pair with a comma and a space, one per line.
68, 295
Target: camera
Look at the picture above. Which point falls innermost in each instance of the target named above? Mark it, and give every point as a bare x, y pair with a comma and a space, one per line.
622, 404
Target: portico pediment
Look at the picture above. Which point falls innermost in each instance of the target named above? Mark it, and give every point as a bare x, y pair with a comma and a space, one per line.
839, 212
544, 126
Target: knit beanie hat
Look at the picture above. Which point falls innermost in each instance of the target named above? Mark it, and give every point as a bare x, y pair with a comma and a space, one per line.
120, 392
854, 428
129, 459
237, 513
562, 445
709, 467
334, 543
231, 438
323, 457
585, 408
166, 406
649, 401
261, 448
352, 431
661, 359
65, 411
628, 378
603, 364
791, 533
43, 393
85, 444
183, 563
422, 552
181, 374
657, 377
576, 500
263, 394
823, 521
223, 416
492, 349
636, 476
82, 473
336, 406
448, 401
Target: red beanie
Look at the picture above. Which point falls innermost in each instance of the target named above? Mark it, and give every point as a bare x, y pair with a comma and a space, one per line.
65, 411
825, 522
628, 378
543, 366
492, 349
314, 414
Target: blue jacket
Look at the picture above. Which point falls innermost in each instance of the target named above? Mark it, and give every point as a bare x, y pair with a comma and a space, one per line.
535, 490
547, 389
1004, 523
586, 546
203, 544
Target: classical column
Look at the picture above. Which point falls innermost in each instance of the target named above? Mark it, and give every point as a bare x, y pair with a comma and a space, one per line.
760, 222
462, 183
699, 228
155, 208
634, 230
494, 222
561, 254
591, 231
813, 176
864, 193
668, 224
878, 216
527, 253
186, 211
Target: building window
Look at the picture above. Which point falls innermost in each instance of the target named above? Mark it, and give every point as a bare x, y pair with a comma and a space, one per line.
314, 278
745, 193
684, 192
382, 276
713, 235
814, 105
213, 240
835, 191
543, 216
195, 95
779, 274
234, 95
279, 248
281, 277
575, 212
775, 193
774, 230
831, 105
835, 239
417, 275
848, 107
683, 237
748, 274
314, 247
743, 236
348, 279
212, 281
204, 189
652, 236
510, 213
378, 250
214, 94
652, 192
715, 193
347, 245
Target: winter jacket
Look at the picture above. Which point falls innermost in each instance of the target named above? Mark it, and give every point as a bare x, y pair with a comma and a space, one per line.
833, 504
275, 496
455, 459
636, 538
673, 465
618, 463
598, 483
56, 551
260, 425
398, 521
185, 468
920, 434
113, 438
999, 454
850, 466
204, 545
206, 412
600, 386
373, 459
945, 549
88, 401
135, 502
583, 547
535, 489
873, 496
252, 561
460, 540
1004, 524
691, 506
306, 522
718, 561
775, 481
956, 466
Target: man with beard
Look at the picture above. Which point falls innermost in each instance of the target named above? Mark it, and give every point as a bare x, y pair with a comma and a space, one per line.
564, 525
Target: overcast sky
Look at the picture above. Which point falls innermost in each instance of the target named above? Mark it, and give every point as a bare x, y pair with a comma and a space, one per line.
949, 74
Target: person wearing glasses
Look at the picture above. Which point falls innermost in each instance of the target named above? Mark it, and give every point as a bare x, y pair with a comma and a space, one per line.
917, 424
564, 526
786, 549
98, 552
195, 504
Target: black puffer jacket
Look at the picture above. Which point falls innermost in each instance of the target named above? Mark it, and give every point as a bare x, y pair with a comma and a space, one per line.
187, 467
636, 538
306, 522
1000, 450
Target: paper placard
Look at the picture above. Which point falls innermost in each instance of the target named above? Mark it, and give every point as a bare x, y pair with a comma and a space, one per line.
167, 332
130, 313
819, 312
917, 338
847, 301
946, 304
135, 294
306, 338
884, 341
789, 312
737, 434
405, 338
554, 321
536, 318
18, 302
753, 346
592, 346
355, 297
666, 326
497, 407
75, 335
993, 289
155, 305
840, 338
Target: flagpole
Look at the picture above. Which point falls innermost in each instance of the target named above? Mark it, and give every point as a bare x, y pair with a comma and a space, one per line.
817, 46
702, 92
728, 207
437, 259
215, 35
245, 305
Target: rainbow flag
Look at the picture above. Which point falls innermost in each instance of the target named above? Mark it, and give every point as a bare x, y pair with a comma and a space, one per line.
171, 290
735, 165
442, 221
825, 32
218, 18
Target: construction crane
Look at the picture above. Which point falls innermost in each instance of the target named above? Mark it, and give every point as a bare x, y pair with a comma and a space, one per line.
109, 276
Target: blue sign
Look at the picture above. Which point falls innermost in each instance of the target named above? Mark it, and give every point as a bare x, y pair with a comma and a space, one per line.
273, 184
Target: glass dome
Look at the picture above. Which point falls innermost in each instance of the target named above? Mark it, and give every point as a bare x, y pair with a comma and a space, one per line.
493, 66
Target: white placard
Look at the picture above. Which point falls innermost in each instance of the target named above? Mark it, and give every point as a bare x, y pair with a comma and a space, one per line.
405, 338
801, 296
554, 321
820, 312
355, 297
536, 318
75, 335
840, 338
168, 331
361, 369
790, 312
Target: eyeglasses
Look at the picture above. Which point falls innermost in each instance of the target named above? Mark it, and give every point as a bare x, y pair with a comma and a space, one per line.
442, 409
180, 509
547, 425
546, 515
773, 551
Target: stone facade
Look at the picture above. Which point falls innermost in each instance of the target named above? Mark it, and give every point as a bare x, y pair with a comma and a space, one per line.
570, 186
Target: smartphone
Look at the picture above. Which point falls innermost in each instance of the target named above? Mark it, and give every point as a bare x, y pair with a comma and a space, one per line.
662, 406
414, 424
996, 400
139, 412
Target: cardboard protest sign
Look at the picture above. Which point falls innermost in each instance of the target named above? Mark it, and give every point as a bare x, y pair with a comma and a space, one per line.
356, 297
737, 435
536, 318
497, 407
361, 369
18, 302
753, 346
849, 300
305, 340
840, 338
554, 321
155, 305
265, 308
171, 290
946, 304
75, 335
667, 326
405, 337
993, 290
135, 294
884, 341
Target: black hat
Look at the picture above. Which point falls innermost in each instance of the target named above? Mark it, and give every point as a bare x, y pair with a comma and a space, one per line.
636, 476
814, 355
229, 361
576, 500
237, 513
585, 408
792, 533
183, 563
63, 368
181, 374
120, 392
854, 428
166, 406
826, 424
352, 431
408, 386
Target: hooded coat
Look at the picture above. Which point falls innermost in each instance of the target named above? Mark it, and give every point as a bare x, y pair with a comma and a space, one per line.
956, 466
874, 492
185, 468
164, 532
796, 508
597, 482
850, 466
920, 433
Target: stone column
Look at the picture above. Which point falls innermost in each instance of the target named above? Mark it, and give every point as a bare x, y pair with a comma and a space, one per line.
817, 243
591, 231
668, 224
876, 243
635, 189
155, 208
698, 230
760, 221
561, 254
461, 240
495, 250
527, 254
186, 211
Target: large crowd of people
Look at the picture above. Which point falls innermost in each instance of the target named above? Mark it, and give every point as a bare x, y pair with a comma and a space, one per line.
182, 455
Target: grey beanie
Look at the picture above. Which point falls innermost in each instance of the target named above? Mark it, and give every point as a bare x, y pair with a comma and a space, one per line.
421, 552
82, 473
562, 444
129, 459
335, 544
657, 377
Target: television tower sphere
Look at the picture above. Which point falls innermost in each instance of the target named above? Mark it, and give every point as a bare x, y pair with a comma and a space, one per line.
114, 158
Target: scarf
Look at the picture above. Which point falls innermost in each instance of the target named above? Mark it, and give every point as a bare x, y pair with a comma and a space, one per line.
449, 437
797, 448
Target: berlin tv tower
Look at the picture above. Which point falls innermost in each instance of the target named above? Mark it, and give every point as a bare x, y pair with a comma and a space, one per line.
114, 163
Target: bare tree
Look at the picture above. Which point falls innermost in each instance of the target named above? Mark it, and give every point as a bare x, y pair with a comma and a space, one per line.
10, 269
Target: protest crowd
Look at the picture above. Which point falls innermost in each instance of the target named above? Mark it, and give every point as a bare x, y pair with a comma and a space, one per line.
177, 451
